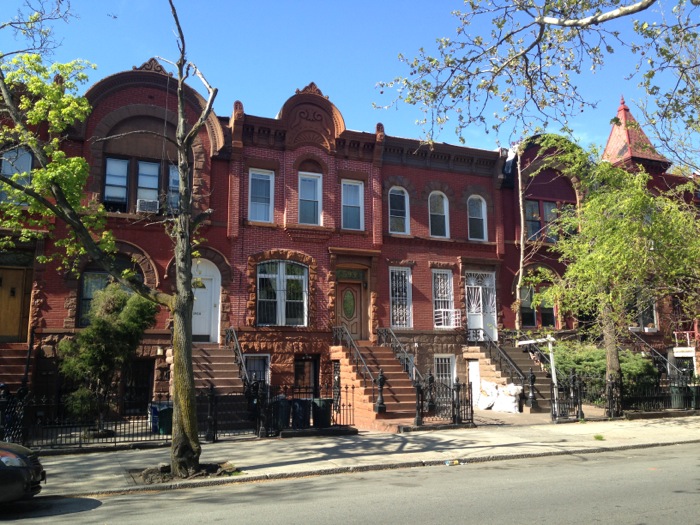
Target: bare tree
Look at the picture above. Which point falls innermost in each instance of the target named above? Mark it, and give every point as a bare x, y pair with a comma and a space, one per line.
515, 67
39, 103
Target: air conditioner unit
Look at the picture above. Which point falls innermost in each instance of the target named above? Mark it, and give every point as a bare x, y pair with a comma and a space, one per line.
146, 206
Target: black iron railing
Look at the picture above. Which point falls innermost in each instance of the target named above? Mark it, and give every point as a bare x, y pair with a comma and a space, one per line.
658, 358
232, 341
437, 402
497, 355
387, 337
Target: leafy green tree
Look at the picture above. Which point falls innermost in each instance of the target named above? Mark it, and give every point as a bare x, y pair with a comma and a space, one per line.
39, 103
626, 245
98, 354
514, 67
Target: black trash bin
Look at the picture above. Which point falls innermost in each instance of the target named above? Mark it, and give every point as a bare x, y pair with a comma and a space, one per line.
281, 409
154, 409
301, 414
165, 421
695, 392
322, 412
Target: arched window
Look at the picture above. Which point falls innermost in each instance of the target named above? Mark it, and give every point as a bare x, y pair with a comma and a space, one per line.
477, 219
399, 216
439, 215
94, 278
283, 293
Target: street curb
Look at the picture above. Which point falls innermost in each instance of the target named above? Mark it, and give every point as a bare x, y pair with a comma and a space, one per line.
162, 487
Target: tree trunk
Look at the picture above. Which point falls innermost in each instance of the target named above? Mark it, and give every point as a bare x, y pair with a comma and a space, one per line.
185, 449
612, 356
523, 230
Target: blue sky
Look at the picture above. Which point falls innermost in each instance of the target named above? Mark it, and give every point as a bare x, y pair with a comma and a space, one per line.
261, 52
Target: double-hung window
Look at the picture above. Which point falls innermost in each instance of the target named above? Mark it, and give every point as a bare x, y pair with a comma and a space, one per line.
16, 163
439, 215
477, 219
310, 198
173, 201
398, 211
542, 316
538, 218
353, 205
135, 185
444, 313
261, 196
400, 297
282, 298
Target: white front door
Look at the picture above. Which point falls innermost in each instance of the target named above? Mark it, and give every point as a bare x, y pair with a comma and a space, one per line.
207, 292
481, 304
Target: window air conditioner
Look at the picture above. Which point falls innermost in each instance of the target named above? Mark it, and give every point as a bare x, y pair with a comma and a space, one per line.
146, 206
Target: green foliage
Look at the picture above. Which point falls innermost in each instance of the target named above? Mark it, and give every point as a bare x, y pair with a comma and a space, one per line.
43, 102
589, 360
82, 404
633, 244
99, 352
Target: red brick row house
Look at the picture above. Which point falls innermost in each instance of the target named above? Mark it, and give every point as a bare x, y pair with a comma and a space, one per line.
314, 226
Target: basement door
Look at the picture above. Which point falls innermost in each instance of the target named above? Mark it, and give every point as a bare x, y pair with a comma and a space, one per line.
481, 305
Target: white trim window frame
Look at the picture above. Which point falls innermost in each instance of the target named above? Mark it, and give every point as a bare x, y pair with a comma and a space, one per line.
261, 195
443, 299
310, 198
353, 207
400, 297
173, 198
16, 163
478, 220
439, 215
282, 294
399, 211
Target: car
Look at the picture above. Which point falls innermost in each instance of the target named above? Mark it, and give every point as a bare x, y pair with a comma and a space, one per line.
21, 472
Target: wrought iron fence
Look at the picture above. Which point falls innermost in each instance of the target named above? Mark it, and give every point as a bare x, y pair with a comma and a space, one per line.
62, 422
570, 393
621, 394
439, 402
278, 408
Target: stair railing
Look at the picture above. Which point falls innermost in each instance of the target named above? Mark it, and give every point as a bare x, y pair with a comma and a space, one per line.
537, 354
342, 337
673, 370
500, 357
231, 337
386, 336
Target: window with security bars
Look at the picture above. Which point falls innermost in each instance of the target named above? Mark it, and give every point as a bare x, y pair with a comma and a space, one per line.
443, 299
400, 297
444, 369
282, 297
258, 367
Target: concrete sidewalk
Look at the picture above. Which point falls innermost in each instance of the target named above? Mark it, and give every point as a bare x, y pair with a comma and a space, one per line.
264, 459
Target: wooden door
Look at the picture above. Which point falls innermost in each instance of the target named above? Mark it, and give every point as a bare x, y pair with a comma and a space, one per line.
350, 310
11, 303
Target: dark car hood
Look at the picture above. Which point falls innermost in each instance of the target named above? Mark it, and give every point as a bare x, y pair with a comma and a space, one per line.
15, 448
